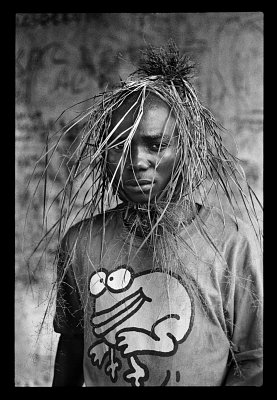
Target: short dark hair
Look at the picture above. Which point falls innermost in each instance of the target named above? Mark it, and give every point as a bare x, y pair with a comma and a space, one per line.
152, 100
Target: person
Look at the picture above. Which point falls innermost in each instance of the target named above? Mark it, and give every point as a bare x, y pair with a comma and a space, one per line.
157, 285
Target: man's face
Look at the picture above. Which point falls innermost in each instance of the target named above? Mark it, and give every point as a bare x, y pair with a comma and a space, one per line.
151, 156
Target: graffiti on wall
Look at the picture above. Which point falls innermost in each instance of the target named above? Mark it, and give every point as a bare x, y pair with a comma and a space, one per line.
25, 20
237, 69
54, 60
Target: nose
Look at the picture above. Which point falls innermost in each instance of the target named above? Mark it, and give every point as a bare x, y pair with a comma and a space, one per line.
138, 158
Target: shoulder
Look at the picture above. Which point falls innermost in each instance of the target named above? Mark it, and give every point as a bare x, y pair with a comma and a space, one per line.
87, 228
227, 224
234, 235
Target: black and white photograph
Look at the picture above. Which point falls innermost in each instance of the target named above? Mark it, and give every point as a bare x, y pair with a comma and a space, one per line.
139, 199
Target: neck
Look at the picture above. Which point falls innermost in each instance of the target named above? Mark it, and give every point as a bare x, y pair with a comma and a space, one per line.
142, 218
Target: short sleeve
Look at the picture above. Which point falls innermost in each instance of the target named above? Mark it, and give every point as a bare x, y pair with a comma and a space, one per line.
69, 313
246, 311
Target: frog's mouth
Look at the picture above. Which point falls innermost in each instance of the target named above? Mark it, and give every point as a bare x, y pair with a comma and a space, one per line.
106, 320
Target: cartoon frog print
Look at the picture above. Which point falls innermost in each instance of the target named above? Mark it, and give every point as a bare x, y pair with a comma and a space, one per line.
134, 314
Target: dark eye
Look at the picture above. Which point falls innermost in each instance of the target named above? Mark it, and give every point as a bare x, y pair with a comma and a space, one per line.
158, 146
118, 147
155, 147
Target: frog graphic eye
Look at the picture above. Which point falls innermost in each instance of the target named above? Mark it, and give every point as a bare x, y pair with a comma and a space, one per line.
97, 283
119, 280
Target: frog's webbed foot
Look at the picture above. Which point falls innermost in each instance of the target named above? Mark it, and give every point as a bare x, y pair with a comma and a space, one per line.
113, 365
137, 374
97, 353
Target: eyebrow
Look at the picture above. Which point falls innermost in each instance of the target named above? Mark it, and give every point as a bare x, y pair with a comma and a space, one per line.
146, 138
155, 137
158, 136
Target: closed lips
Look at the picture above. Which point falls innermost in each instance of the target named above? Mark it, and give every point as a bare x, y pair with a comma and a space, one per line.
138, 182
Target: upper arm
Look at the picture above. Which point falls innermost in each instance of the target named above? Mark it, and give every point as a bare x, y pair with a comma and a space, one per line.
68, 369
69, 311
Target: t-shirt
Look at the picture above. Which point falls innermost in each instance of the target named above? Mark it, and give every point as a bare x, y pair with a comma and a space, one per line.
143, 326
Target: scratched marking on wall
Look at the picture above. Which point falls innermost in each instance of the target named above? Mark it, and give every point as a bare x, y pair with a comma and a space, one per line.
35, 64
237, 69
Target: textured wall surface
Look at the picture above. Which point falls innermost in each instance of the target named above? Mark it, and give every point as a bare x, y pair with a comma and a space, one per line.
62, 59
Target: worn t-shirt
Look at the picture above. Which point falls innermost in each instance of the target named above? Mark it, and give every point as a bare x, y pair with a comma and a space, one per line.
143, 326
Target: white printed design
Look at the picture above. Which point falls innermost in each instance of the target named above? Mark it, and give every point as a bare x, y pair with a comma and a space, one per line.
135, 314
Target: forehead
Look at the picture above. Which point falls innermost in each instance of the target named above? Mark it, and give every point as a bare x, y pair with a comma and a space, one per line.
157, 117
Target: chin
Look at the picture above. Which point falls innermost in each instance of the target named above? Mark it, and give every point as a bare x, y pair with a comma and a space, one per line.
140, 198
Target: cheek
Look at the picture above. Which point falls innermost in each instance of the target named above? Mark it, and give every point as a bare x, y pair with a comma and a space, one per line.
113, 161
167, 162
112, 157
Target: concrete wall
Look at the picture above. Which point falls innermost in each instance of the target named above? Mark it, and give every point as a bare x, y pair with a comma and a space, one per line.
62, 59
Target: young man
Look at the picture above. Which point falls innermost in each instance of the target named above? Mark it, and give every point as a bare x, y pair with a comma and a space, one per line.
161, 288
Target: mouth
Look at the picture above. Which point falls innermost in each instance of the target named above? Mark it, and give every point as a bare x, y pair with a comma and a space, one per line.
106, 320
139, 185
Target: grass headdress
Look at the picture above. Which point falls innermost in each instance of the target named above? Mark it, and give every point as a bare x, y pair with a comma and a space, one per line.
205, 169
